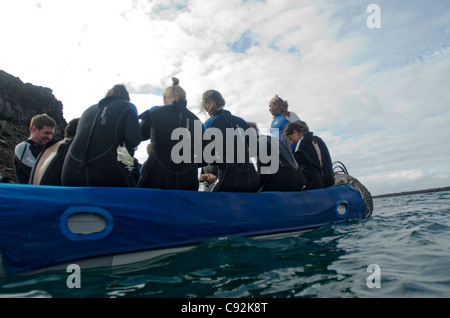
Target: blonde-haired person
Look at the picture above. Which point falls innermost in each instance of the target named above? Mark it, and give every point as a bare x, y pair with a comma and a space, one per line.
311, 154
233, 175
174, 93
161, 170
42, 128
281, 117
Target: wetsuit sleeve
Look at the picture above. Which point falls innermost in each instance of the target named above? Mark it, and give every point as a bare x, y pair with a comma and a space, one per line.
24, 154
22, 171
24, 160
133, 134
145, 128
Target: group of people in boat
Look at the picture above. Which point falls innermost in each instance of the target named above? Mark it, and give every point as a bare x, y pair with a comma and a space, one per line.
99, 147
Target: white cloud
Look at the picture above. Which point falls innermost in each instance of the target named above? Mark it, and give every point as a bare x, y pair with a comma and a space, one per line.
399, 123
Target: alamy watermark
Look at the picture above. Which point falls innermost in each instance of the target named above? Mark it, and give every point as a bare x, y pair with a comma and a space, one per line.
74, 279
374, 20
240, 144
374, 279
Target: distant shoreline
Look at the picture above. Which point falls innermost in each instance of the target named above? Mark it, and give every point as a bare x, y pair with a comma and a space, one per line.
411, 192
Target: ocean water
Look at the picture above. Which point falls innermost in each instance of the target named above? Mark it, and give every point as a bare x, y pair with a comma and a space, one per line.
402, 251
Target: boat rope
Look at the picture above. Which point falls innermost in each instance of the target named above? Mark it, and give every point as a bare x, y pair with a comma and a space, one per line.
341, 176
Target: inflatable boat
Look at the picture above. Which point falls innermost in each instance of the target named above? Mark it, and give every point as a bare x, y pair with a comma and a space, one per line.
47, 227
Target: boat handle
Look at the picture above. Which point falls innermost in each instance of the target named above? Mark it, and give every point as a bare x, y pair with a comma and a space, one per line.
85, 232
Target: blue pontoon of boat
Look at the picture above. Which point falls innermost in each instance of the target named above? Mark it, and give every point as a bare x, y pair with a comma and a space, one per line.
45, 227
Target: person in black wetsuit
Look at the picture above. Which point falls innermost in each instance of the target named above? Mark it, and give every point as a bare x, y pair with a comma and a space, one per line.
170, 166
286, 175
42, 128
312, 155
48, 167
236, 173
92, 156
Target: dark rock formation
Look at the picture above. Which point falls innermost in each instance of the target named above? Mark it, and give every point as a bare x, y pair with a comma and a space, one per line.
19, 102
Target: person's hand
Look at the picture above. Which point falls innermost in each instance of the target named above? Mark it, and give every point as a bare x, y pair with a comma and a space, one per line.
208, 177
211, 178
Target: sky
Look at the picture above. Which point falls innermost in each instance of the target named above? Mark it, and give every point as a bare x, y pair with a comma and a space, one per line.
371, 78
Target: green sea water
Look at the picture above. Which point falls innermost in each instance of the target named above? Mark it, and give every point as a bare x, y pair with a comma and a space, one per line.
402, 251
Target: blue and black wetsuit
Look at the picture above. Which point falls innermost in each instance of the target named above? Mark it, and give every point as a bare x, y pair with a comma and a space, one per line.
161, 170
234, 174
277, 127
317, 174
278, 124
287, 176
92, 157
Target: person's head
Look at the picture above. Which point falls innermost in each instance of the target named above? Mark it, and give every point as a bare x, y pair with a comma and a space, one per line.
255, 127
174, 93
71, 128
42, 128
294, 131
120, 91
277, 106
212, 101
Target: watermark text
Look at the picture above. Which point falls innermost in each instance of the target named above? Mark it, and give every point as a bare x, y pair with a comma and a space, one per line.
74, 279
213, 147
374, 20
374, 279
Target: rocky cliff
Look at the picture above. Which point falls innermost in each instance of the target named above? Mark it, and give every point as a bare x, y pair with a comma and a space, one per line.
19, 102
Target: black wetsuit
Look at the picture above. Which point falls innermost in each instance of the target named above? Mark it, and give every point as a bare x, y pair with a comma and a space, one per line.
287, 175
316, 175
92, 157
52, 175
160, 170
233, 175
